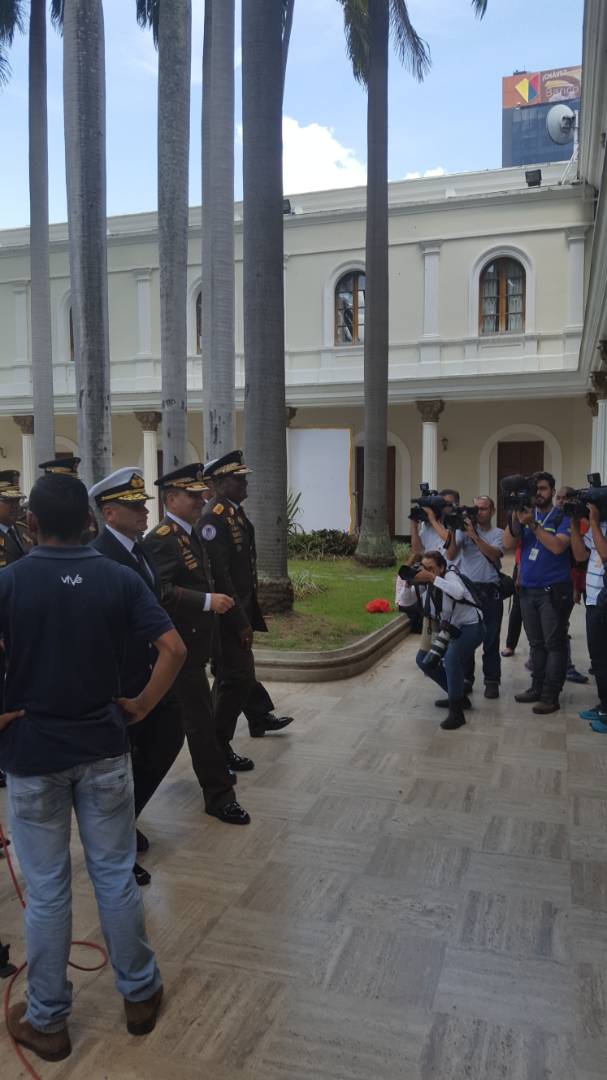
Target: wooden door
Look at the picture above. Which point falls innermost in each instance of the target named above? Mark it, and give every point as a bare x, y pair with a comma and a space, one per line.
390, 486
516, 457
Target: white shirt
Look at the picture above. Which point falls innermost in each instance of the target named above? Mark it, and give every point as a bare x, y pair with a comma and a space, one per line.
188, 528
594, 570
453, 588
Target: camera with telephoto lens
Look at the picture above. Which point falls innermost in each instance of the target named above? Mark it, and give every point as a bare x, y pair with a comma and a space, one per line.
407, 573
430, 499
518, 492
576, 506
439, 645
456, 517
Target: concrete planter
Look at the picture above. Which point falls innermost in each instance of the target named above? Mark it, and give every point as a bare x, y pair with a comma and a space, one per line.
303, 666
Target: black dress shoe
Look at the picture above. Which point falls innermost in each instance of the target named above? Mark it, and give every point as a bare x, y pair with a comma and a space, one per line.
237, 763
269, 722
142, 877
232, 813
2, 779
143, 844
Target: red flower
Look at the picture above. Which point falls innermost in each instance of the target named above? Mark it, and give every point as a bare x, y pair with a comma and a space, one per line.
379, 606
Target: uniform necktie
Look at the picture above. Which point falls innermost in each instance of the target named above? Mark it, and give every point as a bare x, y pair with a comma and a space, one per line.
137, 553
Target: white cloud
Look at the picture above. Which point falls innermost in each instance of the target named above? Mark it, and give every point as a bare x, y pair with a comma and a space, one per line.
438, 171
314, 160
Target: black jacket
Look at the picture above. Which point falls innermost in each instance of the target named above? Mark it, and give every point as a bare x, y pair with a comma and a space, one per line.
140, 656
185, 577
229, 538
10, 551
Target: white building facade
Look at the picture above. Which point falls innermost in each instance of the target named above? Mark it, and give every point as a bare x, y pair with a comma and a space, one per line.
488, 282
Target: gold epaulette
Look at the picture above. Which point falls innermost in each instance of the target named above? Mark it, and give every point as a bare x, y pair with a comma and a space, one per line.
219, 508
162, 530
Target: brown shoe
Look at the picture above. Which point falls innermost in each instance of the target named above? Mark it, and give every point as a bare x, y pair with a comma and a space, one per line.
50, 1046
544, 707
141, 1015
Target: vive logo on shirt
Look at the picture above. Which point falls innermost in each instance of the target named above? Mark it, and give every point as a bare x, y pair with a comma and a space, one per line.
68, 580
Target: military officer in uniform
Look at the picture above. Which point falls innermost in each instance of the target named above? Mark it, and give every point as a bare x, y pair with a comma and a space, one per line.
187, 592
63, 466
155, 743
15, 541
230, 540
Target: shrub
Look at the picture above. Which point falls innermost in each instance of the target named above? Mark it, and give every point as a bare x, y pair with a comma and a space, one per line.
321, 544
402, 552
304, 585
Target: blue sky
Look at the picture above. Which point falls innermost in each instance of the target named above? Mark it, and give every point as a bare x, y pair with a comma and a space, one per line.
451, 122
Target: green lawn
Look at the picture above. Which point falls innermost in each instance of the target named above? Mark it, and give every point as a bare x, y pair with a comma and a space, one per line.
336, 617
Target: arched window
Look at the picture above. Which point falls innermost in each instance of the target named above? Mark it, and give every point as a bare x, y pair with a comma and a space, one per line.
350, 309
71, 330
502, 298
199, 321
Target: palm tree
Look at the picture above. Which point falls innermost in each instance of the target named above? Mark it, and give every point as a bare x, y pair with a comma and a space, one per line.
171, 22
263, 292
218, 345
12, 17
84, 120
367, 26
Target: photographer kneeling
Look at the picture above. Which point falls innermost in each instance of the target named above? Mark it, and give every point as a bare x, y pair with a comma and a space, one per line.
449, 601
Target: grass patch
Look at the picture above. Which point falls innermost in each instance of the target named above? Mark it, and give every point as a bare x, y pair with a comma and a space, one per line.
335, 614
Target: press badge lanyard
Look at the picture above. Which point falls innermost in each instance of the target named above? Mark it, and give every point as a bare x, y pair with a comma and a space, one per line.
533, 554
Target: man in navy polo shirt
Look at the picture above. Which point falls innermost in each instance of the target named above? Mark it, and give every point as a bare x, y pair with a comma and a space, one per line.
66, 615
546, 591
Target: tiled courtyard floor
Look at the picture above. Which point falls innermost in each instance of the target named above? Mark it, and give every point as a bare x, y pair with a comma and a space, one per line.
408, 904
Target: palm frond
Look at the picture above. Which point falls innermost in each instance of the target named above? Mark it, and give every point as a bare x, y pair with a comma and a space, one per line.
480, 7
412, 50
356, 27
5, 67
12, 19
148, 12
57, 13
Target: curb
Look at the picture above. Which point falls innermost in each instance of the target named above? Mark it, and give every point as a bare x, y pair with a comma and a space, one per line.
344, 663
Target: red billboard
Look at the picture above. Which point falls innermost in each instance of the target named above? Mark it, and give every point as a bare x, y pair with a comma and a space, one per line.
541, 87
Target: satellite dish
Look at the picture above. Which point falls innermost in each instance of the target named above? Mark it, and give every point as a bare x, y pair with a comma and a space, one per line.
560, 123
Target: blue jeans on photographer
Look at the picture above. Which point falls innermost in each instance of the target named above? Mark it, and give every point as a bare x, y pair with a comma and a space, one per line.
40, 808
450, 672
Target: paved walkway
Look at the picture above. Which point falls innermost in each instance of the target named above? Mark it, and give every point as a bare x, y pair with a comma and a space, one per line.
408, 904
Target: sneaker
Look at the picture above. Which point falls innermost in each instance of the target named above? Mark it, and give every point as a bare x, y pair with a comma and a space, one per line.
544, 707
599, 725
590, 714
527, 697
507, 652
576, 676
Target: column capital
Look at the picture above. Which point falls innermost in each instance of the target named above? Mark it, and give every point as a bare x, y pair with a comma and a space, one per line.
149, 420
290, 414
599, 384
430, 410
142, 273
592, 403
431, 247
25, 423
576, 233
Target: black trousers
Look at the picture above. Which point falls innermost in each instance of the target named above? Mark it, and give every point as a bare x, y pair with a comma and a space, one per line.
236, 688
155, 743
546, 620
596, 634
193, 693
515, 622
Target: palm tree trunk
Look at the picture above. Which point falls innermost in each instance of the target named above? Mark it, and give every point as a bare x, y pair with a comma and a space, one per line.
263, 294
84, 113
218, 346
174, 77
42, 359
374, 545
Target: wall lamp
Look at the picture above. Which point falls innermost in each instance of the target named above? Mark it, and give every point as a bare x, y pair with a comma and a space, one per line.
533, 177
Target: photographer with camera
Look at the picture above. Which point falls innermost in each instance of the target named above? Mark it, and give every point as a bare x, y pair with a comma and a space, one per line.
480, 547
427, 530
546, 589
450, 602
591, 547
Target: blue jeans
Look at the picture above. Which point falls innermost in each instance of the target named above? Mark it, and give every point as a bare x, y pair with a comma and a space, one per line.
40, 807
450, 673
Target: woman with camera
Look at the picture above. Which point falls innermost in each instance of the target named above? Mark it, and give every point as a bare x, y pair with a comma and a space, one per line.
451, 605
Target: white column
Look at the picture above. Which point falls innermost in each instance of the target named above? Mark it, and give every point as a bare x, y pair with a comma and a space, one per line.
144, 314
430, 412
592, 403
28, 454
21, 325
600, 448
149, 422
576, 239
430, 339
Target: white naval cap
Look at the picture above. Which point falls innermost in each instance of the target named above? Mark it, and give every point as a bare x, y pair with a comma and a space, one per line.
123, 485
